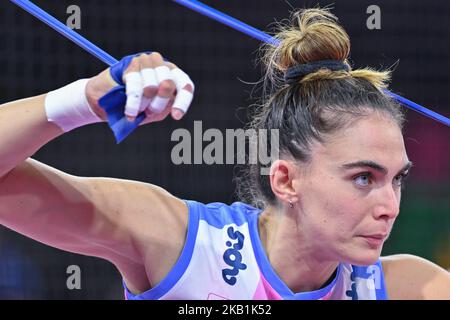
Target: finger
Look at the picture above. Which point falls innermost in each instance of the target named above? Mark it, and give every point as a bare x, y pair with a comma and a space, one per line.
133, 82
185, 93
166, 89
145, 103
134, 88
155, 117
150, 83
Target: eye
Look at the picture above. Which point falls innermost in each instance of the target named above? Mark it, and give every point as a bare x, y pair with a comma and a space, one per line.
401, 179
363, 180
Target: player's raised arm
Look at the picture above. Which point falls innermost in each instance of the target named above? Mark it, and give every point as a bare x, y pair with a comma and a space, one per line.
102, 217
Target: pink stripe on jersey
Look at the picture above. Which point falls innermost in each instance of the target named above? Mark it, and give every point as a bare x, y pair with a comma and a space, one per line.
328, 295
264, 291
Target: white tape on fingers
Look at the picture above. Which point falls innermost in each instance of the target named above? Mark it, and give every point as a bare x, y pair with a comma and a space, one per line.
149, 77
134, 90
159, 104
163, 73
69, 108
145, 103
183, 100
182, 79
184, 97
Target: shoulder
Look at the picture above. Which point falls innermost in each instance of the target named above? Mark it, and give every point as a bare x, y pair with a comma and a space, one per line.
415, 278
219, 215
155, 223
146, 211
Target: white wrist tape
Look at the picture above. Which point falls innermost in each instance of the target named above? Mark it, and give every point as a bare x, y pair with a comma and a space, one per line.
69, 108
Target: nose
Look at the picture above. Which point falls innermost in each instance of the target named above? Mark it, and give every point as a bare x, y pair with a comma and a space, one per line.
389, 203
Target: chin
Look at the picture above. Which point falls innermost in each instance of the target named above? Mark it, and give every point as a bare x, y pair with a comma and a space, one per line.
363, 257
366, 260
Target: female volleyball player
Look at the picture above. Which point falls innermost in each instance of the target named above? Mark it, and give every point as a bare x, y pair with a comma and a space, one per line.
316, 225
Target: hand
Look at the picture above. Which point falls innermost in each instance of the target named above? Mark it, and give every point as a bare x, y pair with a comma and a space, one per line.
153, 86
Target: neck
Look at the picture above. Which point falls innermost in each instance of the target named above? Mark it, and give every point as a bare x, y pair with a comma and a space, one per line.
294, 258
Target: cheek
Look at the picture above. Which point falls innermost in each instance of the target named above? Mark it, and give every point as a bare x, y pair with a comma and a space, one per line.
334, 206
349, 216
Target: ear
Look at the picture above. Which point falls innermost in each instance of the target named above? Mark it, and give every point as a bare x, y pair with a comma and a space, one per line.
283, 178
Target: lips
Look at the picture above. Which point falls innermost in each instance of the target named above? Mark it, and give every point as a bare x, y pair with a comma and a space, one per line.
375, 240
376, 236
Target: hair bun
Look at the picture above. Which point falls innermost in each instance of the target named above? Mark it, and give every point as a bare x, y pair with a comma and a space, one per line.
313, 35
312, 38
298, 72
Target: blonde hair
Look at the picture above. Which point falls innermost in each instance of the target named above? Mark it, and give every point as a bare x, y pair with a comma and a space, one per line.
315, 35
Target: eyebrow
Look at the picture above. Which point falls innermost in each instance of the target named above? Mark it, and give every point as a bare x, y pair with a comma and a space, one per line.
374, 165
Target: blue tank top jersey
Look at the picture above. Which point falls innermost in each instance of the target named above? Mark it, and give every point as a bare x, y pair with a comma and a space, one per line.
223, 259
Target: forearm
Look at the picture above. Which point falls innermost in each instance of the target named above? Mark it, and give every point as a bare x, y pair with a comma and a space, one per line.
24, 129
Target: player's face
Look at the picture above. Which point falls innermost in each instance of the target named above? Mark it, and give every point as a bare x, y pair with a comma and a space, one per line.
350, 198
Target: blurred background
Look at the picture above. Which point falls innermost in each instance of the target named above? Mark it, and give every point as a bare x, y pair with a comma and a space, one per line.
221, 61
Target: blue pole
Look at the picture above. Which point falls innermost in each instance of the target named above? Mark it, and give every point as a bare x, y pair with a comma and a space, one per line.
255, 33
204, 10
227, 20
65, 31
